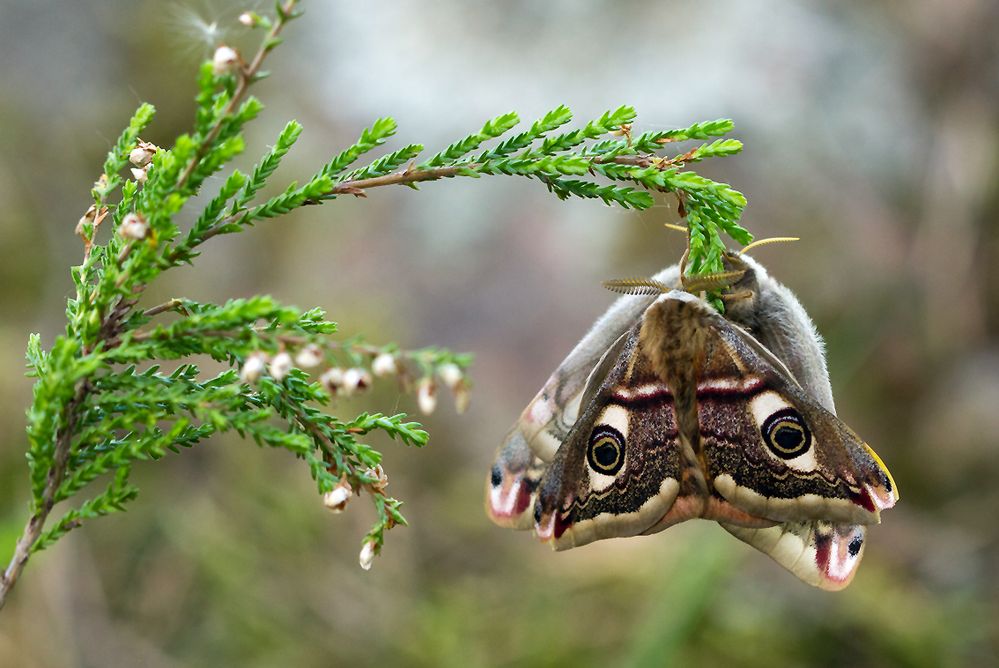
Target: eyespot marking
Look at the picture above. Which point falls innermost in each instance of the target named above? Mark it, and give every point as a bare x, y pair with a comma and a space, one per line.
786, 434
605, 452
855, 545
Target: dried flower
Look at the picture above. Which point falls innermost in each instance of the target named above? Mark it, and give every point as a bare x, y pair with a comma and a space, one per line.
367, 555
355, 380
133, 226
384, 365
82, 227
224, 60
336, 499
101, 184
426, 395
450, 373
332, 379
379, 477
253, 368
85, 220
309, 356
142, 154
280, 366
462, 397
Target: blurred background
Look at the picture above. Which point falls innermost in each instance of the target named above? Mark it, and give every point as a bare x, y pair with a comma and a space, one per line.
870, 131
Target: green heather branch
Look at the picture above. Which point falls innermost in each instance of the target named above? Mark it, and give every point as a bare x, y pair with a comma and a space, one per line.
95, 414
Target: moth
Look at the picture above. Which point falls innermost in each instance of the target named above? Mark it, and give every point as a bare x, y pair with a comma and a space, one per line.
668, 411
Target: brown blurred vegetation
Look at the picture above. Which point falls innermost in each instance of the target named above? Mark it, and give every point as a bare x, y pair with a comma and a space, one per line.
871, 132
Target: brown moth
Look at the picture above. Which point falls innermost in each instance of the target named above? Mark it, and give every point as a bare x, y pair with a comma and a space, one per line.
668, 411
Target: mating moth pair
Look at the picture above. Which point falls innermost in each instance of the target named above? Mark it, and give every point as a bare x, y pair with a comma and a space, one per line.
668, 411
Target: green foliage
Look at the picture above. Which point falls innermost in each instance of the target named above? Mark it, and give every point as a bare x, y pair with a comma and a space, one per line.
103, 399
601, 148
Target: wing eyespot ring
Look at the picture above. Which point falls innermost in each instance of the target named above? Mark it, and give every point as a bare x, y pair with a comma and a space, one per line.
786, 434
605, 453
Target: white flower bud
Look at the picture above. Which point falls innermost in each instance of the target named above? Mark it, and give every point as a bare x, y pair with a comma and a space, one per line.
355, 380
280, 366
450, 374
367, 555
253, 368
426, 395
332, 379
336, 499
309, 356
140, 174
249, 19
224, 60
384, 365
134, 227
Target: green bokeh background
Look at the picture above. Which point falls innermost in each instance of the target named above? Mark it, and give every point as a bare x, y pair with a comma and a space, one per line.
871, 132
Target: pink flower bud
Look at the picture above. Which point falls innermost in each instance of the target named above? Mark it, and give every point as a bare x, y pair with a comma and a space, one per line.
224, 60
133, 227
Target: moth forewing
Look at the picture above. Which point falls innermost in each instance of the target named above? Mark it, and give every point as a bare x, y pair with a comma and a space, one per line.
618, 471
546, 420
772, 450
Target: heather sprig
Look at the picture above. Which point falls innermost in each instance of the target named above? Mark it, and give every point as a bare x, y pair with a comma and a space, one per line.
120, 386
